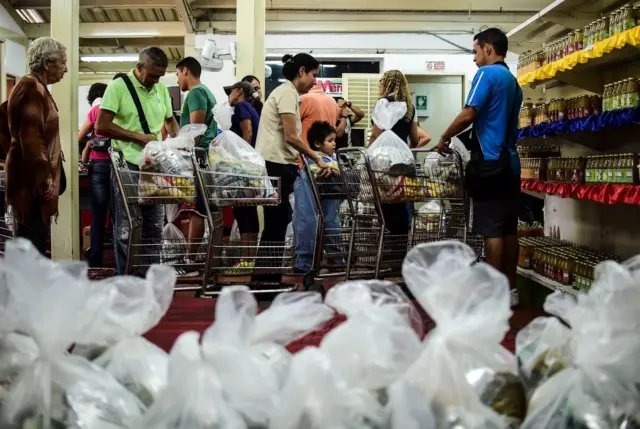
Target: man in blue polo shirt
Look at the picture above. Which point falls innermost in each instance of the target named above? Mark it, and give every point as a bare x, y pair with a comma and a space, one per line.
492, 107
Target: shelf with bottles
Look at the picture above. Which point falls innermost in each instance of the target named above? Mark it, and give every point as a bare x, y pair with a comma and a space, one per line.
619, 108
559, 264
605, 179
566, 60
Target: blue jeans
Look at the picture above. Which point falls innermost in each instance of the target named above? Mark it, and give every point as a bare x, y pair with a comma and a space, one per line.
152, 222
305, 224
100, 185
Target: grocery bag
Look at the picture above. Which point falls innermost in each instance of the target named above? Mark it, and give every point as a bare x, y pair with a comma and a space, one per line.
174, 243
240, 170
194, 398
597, 382
114, 341
463, 375
388, 153
56, 303
247, 351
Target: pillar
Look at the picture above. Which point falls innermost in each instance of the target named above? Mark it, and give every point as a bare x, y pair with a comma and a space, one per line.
190, 45
65, 27
250, 23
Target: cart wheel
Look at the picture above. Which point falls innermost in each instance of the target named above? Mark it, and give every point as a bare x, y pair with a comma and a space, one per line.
308, 280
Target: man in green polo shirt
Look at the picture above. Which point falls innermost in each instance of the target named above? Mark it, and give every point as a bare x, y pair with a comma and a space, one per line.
119, 120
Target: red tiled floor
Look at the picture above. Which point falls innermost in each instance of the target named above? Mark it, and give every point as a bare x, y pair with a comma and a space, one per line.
187, 313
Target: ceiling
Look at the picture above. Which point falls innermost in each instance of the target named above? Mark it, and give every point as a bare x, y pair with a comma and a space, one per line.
169, 20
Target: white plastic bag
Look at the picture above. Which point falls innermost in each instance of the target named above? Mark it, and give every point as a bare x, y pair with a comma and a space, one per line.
601, 383
54, 304
243, 173
136, 305
174, 243
172, 156
381, 337
316, 397
463, 369
388, 151
194, 398
247, 349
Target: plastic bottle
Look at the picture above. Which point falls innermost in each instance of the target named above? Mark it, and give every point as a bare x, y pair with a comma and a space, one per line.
606, 98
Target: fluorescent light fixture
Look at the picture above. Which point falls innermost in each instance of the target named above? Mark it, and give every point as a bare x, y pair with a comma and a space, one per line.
124, 33
30, 16
273, 62
122, 58
328, 66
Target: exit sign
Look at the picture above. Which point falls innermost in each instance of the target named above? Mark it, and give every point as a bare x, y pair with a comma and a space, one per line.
434, 65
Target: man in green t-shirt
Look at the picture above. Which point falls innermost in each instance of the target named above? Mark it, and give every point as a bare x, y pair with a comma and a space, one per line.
197, 109
199, 104
118, 119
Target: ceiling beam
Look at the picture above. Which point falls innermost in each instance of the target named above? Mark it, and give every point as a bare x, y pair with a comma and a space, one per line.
105, 4
382, 5
133, 42
185, 15
110, 30
12, 12
115, 67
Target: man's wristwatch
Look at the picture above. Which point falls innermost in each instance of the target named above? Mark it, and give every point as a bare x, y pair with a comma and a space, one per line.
445, 140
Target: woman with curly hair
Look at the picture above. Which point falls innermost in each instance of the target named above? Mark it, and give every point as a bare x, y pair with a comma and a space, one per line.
394, 87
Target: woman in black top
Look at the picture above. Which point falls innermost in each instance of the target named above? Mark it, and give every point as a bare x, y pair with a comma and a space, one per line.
394, 87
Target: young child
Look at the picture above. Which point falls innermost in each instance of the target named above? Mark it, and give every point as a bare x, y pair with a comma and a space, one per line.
322, 137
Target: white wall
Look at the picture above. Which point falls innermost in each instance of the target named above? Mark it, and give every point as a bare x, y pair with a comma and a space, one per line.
15, 54
408, 53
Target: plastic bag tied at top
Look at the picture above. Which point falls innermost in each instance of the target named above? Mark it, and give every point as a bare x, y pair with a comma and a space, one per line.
172, 156
247, 349
600, 388
55, 303
194, 398
388, 151
463, 370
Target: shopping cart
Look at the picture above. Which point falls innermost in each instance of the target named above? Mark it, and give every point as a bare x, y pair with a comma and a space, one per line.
237, 260
7, 226
138, 189
370, 193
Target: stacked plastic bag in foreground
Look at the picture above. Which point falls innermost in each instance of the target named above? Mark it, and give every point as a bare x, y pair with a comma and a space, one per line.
374, 371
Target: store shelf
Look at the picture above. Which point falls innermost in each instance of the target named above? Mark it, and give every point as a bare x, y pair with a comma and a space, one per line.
606, 193
546, 282
555, 20
584, 69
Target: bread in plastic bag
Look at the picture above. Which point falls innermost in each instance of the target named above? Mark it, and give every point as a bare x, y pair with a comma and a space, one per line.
240, 170
194, 398
388, 153
247, 351
315, 396
54, 304
464, 374
381, 337
601, 387
135, 306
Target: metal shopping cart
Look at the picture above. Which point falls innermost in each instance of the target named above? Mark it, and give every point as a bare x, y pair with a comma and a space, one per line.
7, 226
237, 260
433, 196
138, 189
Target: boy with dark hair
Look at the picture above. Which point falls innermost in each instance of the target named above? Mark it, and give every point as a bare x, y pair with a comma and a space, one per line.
197, 109
321, 137
492, 107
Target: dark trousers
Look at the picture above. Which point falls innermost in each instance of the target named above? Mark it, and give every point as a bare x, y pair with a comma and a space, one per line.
100, 195
276, 218
35, 230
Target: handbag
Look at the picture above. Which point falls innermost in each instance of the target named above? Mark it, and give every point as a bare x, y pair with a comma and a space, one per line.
490, 179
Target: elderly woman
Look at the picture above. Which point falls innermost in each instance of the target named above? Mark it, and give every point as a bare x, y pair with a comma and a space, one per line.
34, 175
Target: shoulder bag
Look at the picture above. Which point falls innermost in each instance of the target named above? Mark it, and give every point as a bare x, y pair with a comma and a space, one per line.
491, 179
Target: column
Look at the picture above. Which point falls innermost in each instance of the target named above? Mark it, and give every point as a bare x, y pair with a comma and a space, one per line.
250, 23
190, 45
65, 27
